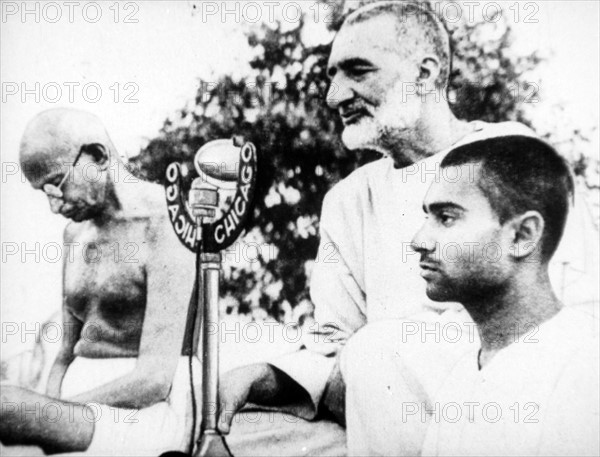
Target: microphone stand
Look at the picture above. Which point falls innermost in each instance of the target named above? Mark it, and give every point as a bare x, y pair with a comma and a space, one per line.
198, 231
203, 202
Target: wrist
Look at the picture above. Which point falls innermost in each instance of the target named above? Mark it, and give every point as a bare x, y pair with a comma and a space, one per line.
262, 382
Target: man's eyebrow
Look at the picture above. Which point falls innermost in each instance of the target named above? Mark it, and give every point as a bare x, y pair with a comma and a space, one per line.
347, 64
440, 206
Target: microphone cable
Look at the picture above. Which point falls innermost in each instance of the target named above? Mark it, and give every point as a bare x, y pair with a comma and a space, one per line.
191, 344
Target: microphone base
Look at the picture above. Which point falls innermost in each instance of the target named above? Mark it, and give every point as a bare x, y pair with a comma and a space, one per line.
212, 444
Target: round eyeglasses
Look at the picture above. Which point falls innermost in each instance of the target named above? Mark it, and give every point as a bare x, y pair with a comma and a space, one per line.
53, 191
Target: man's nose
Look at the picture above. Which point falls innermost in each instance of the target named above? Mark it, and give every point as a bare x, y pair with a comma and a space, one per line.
339, 92
423, 242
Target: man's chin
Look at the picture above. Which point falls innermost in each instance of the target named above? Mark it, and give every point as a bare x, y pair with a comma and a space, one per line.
360, 135
441, 294
74, 216
80, 215
78, 218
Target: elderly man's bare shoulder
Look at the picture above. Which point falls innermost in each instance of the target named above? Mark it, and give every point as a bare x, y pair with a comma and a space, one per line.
143, 202
149, 205
141, 228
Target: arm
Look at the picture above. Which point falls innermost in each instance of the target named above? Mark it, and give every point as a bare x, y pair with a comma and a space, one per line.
71, 330
338, 293
169, 281
261, 384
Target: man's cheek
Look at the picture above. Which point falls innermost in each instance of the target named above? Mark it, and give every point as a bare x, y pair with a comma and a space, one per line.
449, 251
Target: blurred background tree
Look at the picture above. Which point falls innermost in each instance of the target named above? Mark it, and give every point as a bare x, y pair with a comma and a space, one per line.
280, 105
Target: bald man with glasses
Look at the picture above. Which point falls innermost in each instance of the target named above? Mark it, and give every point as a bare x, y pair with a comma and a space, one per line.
119, 384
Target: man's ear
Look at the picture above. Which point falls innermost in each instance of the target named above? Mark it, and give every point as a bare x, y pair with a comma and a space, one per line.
527, 230
99, 153
429, 70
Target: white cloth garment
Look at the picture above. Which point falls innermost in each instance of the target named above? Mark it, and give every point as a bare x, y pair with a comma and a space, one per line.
392, 368
537, 397
164, 426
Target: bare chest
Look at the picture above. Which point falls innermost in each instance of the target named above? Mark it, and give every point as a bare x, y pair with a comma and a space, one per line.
104, 276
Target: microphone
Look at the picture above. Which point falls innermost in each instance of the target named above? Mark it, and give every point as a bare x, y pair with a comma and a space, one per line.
203, 201
216, 164
224, 167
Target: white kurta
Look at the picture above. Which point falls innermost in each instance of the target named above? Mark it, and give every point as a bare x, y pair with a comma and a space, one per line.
539, 396
391, 368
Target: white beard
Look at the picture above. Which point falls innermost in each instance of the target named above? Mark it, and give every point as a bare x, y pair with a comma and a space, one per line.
388, 123
364, 134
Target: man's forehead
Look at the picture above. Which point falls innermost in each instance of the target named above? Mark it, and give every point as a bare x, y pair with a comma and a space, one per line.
359, 40
457, 184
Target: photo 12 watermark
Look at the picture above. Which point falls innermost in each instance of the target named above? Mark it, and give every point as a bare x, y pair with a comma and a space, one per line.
55, 411
70, 252
471, 411
69, 92
69, 12
327, 12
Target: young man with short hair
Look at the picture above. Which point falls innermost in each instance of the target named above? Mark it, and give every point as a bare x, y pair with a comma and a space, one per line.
533, 382
524, 381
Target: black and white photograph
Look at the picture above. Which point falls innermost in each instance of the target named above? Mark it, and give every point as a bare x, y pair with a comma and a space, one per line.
319, 228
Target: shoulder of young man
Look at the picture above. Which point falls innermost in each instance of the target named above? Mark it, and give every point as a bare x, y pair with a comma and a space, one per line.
484, 130
571, 334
